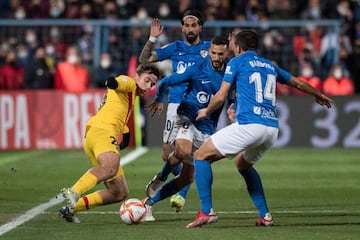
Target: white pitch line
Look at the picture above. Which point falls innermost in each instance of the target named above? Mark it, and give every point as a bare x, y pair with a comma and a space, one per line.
131, 156
228, 212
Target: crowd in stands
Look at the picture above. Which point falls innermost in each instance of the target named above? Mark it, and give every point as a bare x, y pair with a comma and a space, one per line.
40, 62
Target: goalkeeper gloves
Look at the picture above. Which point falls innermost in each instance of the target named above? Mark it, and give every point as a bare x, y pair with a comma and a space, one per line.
125, 140
111, 83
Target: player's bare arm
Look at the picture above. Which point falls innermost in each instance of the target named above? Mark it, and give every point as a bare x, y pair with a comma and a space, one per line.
231, 112
320, 98
147, 54
154, 107
216, 101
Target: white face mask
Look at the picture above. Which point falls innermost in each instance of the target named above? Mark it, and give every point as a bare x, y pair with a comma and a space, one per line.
22, 54
54, 32
55, 12
105, 63
338, 74
268, 41
20, 14
72, 59
30, 38
142, 14
164, 11
307, 72
121, 3
50, 50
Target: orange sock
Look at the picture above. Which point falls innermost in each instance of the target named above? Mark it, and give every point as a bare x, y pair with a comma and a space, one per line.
89, 201
85, 183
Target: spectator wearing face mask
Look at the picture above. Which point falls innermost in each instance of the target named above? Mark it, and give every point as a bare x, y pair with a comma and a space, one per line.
103, 71
11, 75
337, 84
307, 75
71, 75
38, 76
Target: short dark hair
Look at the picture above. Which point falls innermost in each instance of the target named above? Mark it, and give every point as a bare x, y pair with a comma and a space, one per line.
148, 68
247, 40
193, 13
220, 40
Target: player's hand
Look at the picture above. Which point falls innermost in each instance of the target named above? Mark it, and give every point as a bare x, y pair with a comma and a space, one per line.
154, 107
324, 100
231, 112
201, 113
125, 140
156, 29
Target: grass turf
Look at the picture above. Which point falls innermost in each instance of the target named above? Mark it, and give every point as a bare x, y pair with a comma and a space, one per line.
312, 194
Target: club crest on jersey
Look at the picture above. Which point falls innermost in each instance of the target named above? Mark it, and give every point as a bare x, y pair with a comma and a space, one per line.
202, 97
124, 78
203, 53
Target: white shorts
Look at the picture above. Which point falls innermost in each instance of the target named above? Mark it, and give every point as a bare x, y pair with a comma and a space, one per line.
171, 113
184, 129
252, 139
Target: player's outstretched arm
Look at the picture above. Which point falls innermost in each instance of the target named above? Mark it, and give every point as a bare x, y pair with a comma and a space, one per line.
320, 98
147, 54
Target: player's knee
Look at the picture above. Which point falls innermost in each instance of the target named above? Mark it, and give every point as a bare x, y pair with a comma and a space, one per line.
198, 155
182, 153
120, 195
110, 172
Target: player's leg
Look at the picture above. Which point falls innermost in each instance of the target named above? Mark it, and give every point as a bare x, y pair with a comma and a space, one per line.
203, 179
263, 138
104, 157
171, 187
116, 191
169, 135
215, 148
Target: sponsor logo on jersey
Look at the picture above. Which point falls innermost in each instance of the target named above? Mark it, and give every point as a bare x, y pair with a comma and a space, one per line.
228, 70
202, 97
205, 81
181, 67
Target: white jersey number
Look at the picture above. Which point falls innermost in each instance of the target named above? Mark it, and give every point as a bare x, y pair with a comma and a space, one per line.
269, 92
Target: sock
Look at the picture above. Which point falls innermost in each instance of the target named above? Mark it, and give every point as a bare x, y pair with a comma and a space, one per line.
167, 190
165, 171
183, 192
89, 201
255, 189
203, 179
176, 170
85, 183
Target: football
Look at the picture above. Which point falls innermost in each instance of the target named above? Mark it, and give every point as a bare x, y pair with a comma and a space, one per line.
132, 211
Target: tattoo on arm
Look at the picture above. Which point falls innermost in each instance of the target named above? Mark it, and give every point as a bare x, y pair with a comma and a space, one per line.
146, 54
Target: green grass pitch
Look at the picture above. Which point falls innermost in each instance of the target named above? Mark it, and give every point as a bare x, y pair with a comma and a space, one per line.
312, 194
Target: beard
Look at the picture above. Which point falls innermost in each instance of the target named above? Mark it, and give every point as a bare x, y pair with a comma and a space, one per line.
191, 37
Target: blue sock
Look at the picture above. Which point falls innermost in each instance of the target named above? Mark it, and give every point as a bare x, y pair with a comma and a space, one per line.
255, 189
176, 169
165, 171
203, 179
183, 192
167, 190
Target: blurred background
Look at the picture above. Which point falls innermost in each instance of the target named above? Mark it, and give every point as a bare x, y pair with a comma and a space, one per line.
319, 41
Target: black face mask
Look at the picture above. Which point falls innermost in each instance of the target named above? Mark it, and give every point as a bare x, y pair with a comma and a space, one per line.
41, 61
12, 63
